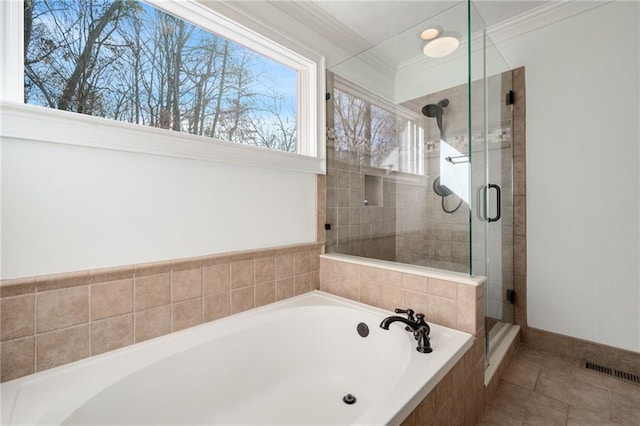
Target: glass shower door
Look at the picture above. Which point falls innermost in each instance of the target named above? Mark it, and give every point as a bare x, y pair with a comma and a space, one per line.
491, 124
498, 213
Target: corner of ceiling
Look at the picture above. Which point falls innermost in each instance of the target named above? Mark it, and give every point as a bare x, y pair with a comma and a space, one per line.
546, 14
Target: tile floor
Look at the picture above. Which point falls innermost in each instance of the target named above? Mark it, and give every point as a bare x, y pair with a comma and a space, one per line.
542, 389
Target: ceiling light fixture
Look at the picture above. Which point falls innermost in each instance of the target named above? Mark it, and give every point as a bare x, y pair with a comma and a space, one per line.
430, 34
440, 47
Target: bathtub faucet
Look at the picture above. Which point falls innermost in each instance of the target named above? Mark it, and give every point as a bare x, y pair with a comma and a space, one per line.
417, 326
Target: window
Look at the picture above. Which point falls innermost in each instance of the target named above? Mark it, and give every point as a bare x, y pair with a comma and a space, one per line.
380, 134
131, 62
175, 65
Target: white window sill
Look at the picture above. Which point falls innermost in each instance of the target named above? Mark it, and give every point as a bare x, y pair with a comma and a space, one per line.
28, 122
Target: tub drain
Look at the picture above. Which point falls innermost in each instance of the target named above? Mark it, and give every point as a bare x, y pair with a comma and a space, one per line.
349, 399
363, 329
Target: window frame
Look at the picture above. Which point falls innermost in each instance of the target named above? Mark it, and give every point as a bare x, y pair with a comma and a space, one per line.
31, 122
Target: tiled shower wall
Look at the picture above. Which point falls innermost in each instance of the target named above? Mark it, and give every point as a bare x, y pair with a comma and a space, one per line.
437, 239
367, 231
520, 202
355, 228
54, 320
407, 223
427, 235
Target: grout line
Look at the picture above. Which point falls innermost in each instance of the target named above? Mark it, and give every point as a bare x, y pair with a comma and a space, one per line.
89, 289
171, 300
202, 293
35, 332
230, 288
254, 281
133, 309
535, 383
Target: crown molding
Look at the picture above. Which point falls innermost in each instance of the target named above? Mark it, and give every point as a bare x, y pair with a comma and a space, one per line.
324, 24
539, 17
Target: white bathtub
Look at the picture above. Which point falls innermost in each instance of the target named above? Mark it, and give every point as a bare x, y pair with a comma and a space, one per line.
288, 363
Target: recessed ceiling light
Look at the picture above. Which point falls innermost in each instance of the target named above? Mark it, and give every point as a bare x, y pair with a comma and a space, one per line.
441, 47
430, 34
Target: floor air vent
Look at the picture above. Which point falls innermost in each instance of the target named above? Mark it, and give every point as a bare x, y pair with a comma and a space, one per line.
628, 377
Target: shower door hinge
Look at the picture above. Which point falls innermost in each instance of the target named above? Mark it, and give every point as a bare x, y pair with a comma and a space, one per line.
327, 96
510, 98
511, 296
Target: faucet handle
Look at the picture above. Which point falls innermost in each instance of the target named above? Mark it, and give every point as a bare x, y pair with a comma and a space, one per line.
409, 313
421, 322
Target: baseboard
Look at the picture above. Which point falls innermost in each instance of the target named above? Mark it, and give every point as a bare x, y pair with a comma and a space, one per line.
577, 349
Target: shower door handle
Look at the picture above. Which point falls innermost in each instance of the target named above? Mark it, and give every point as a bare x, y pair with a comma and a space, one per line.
498, 203
486, 203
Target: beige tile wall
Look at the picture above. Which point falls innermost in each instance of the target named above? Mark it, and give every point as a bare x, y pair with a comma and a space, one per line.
458, 399
356, 229
449, 303
428, 235
520, 202
53, 320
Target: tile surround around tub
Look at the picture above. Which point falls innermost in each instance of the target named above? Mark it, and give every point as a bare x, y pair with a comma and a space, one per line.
53, 320
62, 308
17, 316
111, 298
456, 399
450, 299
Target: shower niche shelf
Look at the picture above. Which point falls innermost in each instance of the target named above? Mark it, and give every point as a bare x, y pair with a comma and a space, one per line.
372, 191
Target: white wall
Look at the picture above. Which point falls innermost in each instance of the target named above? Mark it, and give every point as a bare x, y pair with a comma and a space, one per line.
70, 208
583, 192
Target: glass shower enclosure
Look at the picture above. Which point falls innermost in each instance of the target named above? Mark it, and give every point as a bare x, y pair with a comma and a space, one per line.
419, 158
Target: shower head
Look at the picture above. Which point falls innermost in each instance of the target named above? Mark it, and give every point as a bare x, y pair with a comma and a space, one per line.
435, 111
432, 110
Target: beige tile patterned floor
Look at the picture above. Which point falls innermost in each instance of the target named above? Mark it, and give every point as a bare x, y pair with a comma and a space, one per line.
542, 389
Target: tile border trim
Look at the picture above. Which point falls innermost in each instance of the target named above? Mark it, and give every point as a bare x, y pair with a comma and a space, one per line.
440, 274
19, 286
